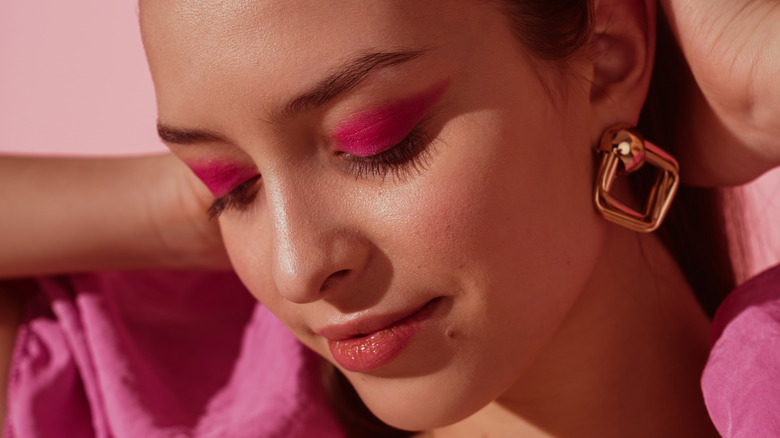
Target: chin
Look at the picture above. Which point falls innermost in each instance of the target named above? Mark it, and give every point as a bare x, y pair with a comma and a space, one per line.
420, 403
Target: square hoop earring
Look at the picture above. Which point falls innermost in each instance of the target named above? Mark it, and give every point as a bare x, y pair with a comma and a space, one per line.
624, 144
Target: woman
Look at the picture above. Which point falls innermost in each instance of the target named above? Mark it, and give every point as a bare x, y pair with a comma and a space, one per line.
377, 170
384, 200
450, 287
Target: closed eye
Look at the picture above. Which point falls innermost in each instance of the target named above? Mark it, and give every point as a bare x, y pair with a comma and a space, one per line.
237, 199
411, 154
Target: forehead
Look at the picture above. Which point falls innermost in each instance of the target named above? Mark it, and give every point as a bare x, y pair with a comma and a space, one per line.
213, 34
208, 52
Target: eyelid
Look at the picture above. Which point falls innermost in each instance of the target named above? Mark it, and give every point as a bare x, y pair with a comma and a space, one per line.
409, 155
393, 139
238, 198
377, 130
221, 177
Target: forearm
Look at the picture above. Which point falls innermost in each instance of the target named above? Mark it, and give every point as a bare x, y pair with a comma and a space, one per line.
73, 215
733, 50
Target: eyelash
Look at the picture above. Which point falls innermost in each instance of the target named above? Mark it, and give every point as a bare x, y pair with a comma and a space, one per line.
237, 199
410, 155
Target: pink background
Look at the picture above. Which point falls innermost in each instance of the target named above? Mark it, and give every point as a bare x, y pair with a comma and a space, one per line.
73, 80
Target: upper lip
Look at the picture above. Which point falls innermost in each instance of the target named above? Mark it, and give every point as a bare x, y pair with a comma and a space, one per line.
365, 325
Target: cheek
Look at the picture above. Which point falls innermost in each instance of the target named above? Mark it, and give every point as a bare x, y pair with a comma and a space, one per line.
513, 239
504, 210
250, 258
252, 262
508, 209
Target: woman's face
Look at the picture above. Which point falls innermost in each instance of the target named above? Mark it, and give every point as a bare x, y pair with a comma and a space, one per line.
403, 189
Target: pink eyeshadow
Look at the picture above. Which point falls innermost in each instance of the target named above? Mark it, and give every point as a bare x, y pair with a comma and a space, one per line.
379, 129
221, 177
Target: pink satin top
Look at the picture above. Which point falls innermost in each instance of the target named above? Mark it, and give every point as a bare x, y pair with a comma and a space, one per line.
741, 382
160, 355
193, 354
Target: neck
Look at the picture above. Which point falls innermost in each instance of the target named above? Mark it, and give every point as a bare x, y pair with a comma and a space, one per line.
626, 362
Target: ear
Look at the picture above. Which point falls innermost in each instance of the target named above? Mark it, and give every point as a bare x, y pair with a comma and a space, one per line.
621, 51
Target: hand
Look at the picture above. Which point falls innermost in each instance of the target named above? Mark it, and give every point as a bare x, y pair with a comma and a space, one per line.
733, 50
179, 210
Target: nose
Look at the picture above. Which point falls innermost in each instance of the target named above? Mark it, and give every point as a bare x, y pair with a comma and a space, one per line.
317, 253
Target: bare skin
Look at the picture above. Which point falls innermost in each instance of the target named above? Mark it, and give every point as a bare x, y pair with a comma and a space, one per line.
740, 106
640, 402
737, 104
732, 133
76, 215
515, 346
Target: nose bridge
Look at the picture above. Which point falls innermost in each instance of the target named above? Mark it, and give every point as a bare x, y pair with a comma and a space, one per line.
311, 245
294, 228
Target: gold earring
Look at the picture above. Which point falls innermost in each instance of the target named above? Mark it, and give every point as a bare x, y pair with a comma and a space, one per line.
624, 144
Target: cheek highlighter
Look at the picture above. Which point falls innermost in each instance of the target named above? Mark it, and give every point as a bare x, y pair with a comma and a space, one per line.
221, 177
379, 129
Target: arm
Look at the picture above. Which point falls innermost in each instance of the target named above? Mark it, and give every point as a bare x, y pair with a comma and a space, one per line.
71, 215
733, 50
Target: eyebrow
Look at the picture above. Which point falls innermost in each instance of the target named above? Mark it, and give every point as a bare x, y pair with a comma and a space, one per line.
172, 135
344, 78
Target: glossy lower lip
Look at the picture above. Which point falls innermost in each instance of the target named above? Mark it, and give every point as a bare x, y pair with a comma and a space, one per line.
378, 348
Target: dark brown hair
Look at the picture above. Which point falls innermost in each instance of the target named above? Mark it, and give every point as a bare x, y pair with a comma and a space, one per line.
694, 231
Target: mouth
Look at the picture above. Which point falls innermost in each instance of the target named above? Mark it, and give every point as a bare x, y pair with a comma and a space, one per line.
372, 343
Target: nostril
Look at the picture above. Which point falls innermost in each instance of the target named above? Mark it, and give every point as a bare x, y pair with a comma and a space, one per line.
332, 278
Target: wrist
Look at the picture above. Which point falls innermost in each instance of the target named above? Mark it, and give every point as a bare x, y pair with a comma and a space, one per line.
178, 207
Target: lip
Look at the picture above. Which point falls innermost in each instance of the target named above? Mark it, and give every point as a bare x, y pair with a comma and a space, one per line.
370, 343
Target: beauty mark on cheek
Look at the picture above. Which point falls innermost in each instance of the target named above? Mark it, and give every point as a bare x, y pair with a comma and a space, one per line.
379, 129
221, 177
